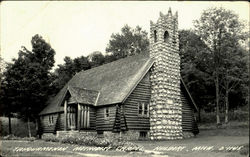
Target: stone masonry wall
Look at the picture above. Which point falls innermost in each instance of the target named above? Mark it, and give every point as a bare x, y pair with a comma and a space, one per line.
126, 135
61, 134
165, 104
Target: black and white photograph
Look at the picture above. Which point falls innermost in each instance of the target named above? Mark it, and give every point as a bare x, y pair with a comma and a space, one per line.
124, 78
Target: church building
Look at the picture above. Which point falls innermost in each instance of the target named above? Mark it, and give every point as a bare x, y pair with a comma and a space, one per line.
141, 96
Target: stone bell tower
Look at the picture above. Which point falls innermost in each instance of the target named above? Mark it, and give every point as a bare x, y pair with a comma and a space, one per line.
165, 104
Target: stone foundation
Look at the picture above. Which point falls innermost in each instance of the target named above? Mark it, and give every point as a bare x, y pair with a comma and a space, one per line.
126, 135
48, 135
187, 134
60, 134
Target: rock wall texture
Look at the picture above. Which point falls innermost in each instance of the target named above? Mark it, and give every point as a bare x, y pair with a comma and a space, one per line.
61, 134
165, 104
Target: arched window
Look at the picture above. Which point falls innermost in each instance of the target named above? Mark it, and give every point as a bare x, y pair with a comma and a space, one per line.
166, 35
155, 36
174, 36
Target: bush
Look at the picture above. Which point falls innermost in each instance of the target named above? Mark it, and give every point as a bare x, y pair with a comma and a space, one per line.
238, 115
89, 140
13, 137
125, 146
50, 139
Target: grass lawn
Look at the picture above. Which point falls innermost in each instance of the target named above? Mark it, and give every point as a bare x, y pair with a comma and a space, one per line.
209, 143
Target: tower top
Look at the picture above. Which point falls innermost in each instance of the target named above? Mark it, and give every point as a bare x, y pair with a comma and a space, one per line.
169, 17
164, 32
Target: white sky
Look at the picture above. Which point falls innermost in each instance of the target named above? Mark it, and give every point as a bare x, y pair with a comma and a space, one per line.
76, 28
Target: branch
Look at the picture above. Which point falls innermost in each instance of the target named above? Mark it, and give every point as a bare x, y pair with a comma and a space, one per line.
234, 85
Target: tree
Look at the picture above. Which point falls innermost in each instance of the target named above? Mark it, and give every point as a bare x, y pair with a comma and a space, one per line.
66, 71
214, 25
5, 110
27, 80
195, 68
96, 59
234, 71
129, 42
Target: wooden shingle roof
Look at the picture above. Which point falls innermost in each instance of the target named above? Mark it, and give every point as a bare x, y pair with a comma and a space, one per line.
114, 81
83, 96
107, 84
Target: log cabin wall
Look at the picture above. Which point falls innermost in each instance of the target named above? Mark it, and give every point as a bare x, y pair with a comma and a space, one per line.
141, 94
187, 115
104, 123
60, 122
48, 123
92, 120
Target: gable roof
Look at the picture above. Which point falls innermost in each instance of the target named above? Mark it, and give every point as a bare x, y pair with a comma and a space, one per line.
107, 84
113, 81
84, 96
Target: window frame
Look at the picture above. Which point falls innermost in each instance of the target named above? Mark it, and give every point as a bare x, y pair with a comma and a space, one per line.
51, 120
166, 36
155, 36
141, 112
106, 114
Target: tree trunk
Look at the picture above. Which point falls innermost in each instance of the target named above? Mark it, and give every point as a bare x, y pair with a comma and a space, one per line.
227, 106
199, 114
29, 127
217, 99
9, 117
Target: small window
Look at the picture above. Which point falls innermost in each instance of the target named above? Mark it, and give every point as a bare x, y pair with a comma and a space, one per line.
155, 36
140, 111
106, 112
174, 36
143, 109
51, 120
143, 134
166, 35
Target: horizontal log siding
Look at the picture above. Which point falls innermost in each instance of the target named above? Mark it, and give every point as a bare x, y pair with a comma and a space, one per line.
141, 93
46, 126
60, 122
105, 123
187, 114
92, 118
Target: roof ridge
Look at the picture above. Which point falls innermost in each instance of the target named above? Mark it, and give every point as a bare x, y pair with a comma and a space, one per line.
115, 61
82, 88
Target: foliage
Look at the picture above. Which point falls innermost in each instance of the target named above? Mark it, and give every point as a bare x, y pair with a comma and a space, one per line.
27, 80
3, 65
129, 42
96, 59
13, 137
19, 127
195, 68
222, 31
66, 71
88, 140
50, 139
237, 115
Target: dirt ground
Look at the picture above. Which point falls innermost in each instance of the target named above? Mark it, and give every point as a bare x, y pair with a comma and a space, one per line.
209, 143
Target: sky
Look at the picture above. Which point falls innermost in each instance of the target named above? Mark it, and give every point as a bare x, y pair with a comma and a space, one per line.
76, 28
